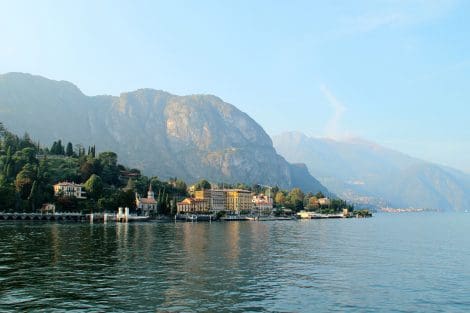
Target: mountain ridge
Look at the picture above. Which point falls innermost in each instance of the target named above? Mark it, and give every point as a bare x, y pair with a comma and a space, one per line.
190, 137
367, 173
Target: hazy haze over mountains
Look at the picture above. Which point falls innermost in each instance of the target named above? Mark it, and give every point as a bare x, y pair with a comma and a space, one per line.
367, 173
189, 137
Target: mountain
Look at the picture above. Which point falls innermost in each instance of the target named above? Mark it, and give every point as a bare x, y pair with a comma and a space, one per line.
188, 137
368, 174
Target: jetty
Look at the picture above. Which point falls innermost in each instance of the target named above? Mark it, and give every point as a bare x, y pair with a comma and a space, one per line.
122, 216
64, 217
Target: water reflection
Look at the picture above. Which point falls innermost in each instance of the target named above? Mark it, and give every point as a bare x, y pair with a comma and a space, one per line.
122, 230
358, 265
55, 244
232, 242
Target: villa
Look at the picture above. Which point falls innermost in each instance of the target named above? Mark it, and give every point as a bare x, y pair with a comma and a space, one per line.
69, 189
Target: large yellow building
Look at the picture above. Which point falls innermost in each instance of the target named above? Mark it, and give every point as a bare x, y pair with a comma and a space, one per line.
204, 194
233, 200
191, 205
239, 200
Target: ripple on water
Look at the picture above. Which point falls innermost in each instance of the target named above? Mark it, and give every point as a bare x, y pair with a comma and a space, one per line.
387, 263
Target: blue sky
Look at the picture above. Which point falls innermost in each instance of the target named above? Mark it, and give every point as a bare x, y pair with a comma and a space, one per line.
394, 72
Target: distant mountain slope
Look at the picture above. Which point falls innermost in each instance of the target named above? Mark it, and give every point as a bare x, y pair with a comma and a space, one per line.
188, 137
367, 173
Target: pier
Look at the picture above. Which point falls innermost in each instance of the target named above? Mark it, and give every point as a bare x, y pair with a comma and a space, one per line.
121, 216
64, 217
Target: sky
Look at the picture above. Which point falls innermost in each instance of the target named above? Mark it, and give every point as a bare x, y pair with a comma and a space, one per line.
390, 71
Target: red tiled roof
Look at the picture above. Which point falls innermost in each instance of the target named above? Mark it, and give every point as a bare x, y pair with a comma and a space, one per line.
148, 201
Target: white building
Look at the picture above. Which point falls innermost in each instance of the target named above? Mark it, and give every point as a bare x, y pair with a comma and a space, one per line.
324, 201
262, 204
67, 189
147, 206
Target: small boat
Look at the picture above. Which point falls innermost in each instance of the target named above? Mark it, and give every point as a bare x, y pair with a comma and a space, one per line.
186, 217
138, 218
191, 218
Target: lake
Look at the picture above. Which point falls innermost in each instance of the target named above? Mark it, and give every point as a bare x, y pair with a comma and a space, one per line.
391, 262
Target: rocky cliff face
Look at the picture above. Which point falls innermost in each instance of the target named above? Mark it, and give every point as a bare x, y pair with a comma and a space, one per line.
190, 137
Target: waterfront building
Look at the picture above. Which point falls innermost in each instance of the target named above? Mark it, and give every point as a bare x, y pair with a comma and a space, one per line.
262, 204
324, 201
192, 205
218, 200
232, 200
204, 194
69, 189
238, 200
147, 206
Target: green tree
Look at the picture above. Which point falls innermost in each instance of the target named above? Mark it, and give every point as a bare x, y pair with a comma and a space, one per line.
26, 142
7, 196
24, 180
57, 148
296, 199
130, 185
67, 204
173, 207
9, 174
202, 184
33, 197
105, 204
109, 168
313, 203
89, 167
92, 151
94, 186
142, 185
26, 155
127, 199
180, 187
69, 150
280, 199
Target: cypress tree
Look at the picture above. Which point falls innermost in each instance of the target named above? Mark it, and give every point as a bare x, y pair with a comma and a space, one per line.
61, 148
173, 206
167, 206
69, 150
54, 148
9, 172
33, 196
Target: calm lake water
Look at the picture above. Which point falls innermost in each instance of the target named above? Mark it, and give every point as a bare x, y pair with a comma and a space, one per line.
405, 263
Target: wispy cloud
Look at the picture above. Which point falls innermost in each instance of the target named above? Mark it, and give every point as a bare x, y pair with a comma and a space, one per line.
333, 126
386, 14
371, 22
